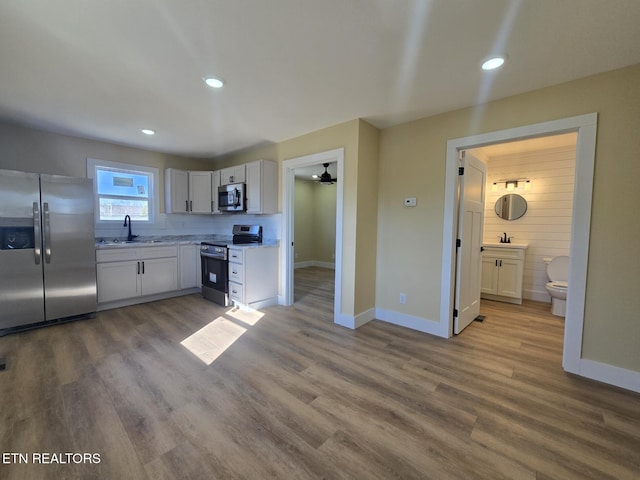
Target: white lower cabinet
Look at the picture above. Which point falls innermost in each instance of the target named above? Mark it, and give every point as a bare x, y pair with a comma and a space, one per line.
118, 280
502, 272
189, 266
253, 276
124, 273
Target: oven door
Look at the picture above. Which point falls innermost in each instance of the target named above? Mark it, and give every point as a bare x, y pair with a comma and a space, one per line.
215, 280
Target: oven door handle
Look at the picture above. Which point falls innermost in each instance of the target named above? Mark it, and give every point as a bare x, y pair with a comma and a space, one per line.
214, 256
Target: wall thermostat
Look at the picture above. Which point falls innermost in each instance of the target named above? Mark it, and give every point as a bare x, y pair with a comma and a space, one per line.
410, 202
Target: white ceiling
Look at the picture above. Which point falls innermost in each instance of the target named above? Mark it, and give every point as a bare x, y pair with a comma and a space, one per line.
105, 69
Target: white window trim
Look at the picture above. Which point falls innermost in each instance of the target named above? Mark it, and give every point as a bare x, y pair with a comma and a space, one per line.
154, 200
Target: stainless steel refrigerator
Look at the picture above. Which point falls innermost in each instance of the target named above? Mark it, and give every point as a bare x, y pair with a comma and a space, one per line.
47, 249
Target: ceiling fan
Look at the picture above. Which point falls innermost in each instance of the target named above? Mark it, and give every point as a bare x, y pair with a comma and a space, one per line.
325, 178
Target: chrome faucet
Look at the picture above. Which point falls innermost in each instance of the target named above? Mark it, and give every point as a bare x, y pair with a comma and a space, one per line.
129, 236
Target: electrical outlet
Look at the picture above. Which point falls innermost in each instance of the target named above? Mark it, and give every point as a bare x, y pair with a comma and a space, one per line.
403, 298
410, 202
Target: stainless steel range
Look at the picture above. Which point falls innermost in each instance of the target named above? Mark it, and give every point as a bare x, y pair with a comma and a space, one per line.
243, 234
215, 271
215, 263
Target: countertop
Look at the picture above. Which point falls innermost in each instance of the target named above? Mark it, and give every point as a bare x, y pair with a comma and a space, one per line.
156, 241
523, 246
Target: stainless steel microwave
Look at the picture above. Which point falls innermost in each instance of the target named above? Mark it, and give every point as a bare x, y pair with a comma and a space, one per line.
231, 198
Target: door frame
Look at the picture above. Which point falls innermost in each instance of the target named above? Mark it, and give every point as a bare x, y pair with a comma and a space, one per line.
586, 127
288, 216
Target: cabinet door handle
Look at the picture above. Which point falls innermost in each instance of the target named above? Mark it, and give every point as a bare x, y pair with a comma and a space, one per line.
143, 268
496, 263
212, 206
138, 268
186, 205
500, 262
191, 205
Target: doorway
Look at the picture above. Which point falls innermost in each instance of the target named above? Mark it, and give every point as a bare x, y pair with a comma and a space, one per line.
288, 209
537, 178
585, 126
314, 233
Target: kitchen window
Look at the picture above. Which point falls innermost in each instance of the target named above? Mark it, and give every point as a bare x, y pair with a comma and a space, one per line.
123, 189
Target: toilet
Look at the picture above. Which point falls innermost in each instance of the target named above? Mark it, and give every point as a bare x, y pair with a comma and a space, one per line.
558, 273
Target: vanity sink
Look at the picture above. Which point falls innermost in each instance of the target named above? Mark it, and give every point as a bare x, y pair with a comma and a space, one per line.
505, 245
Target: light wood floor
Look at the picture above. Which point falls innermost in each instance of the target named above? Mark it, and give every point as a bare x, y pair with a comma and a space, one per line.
297, 397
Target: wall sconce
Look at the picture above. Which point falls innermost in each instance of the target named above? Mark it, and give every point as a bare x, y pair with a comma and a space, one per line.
512, 184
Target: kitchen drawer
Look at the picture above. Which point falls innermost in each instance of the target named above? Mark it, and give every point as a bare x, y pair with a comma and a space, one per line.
236, 255
236, 292
121, 254
236, 273
159, 252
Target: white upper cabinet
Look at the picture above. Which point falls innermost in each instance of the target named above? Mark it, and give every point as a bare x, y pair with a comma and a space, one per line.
200, 194
188, 191
235, 174
262, 186
176, 186
215, 183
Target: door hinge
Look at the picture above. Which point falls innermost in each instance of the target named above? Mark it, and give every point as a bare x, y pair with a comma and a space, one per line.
460, 170
458, 242
455, 312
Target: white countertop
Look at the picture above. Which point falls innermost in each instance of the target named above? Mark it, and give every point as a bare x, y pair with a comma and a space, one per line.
265, 243
168, 241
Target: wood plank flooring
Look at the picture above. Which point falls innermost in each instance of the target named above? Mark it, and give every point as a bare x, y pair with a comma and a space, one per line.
290, 395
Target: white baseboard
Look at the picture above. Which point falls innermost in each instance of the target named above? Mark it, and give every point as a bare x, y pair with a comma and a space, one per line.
354, 322
415, 323
612, 375
149, 298
536, 295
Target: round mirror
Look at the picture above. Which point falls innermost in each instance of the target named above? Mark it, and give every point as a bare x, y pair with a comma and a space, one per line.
511, 206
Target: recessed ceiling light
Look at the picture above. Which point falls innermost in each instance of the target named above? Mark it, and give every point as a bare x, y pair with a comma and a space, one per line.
148, 131
214, 82
493, 63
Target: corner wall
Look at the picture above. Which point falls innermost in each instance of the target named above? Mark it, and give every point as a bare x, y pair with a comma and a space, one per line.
412, 163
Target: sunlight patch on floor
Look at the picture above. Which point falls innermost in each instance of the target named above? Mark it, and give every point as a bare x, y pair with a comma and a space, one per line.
248, 317
213, 339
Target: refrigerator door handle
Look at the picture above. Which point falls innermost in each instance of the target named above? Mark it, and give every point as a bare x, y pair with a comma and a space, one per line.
37, 253
47, 232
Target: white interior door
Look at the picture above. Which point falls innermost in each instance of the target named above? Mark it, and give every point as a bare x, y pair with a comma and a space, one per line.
470, 226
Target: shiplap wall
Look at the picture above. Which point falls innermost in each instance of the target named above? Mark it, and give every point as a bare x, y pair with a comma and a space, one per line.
546, 226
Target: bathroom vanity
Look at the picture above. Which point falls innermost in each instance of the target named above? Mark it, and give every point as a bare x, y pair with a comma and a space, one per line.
502, 272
